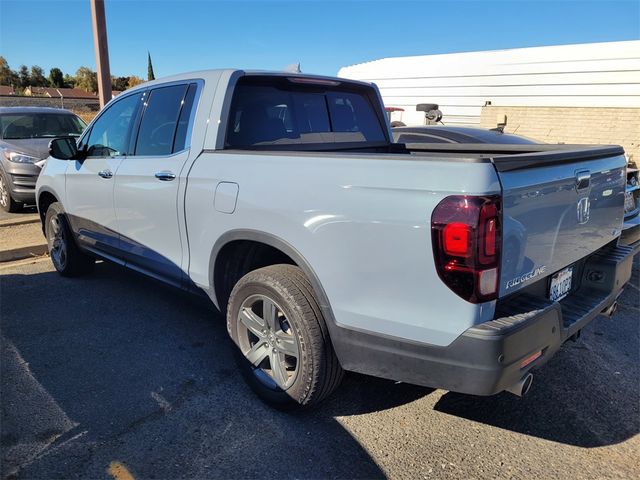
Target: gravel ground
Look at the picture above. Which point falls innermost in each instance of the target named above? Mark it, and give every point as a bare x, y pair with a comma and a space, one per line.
29, 234
115, 374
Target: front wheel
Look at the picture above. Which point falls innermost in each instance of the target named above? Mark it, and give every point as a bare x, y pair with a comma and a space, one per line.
284, 351
67, 259
7, 203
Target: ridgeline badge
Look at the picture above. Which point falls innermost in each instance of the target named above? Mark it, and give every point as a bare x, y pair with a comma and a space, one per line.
527, 276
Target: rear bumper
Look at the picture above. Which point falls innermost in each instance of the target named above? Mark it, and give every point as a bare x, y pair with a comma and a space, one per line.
486, 359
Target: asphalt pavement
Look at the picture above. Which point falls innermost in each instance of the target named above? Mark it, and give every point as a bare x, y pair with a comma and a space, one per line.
116, 376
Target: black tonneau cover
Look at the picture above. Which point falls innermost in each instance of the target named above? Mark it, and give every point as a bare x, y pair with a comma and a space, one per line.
507, 157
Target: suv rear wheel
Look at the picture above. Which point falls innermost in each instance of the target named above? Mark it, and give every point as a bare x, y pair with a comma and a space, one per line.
284, 351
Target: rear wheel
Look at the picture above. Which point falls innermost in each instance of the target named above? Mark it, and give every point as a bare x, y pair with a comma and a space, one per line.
67, 259
284, 351
7, 203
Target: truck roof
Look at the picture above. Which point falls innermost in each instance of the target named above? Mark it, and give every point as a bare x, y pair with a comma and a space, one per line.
215, 74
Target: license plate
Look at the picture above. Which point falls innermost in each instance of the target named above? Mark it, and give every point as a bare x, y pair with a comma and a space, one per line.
560, 284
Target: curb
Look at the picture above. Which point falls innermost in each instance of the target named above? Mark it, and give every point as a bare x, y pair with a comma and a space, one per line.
25, 261
23, 252
20, 221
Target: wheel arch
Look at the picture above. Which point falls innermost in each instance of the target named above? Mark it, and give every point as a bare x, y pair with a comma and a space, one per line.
45, 198
257, 237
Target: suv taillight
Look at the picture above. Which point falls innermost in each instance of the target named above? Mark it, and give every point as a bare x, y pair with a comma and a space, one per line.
467, 235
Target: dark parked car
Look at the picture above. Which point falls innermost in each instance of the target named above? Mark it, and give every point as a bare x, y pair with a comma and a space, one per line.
451, 134
25, 133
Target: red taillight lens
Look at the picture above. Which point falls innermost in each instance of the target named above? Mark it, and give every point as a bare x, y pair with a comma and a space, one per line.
456, 239
466, 235
490, 238
488, 223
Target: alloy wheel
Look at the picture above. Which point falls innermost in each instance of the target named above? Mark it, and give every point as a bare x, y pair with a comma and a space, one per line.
268, 341
4, 193
57, 243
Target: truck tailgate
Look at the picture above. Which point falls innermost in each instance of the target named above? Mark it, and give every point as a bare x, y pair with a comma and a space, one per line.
557, 210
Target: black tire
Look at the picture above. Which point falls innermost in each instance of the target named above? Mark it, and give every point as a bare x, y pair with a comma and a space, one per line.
317, 371
72, 262
7, 203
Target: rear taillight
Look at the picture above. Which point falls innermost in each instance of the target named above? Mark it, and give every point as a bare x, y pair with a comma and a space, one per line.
466, 233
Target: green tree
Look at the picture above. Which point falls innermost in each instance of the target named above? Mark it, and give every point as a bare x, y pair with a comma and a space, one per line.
87, 79
37, 78
133, 81
55, 78
7, 76
69, 81
119, 83
23, 77
150, 75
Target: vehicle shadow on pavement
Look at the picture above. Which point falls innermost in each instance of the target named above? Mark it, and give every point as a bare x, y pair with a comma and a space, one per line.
587, 395
26, 210
116, 367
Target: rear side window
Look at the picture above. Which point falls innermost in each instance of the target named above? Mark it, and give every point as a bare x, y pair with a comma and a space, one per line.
283, 113
160, 121
180, 141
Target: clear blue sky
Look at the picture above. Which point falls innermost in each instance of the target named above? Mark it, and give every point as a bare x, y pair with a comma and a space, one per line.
323, 36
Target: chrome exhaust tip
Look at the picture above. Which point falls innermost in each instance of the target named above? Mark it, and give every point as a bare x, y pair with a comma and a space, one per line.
522, 387
610, 310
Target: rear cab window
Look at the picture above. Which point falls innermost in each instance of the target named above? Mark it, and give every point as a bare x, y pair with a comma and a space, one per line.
165, 120
303, 113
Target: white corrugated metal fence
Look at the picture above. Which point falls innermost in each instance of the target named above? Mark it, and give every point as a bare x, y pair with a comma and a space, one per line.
588, 75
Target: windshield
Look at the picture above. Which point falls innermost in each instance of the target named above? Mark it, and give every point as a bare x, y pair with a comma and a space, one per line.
274, 112
17, 126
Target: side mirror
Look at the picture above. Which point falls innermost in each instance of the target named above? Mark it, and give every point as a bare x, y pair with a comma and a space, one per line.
64, 148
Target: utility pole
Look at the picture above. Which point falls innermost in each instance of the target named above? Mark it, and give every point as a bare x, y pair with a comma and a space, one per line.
102, 50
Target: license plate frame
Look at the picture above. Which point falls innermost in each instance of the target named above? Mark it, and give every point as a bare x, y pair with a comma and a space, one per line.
560, 284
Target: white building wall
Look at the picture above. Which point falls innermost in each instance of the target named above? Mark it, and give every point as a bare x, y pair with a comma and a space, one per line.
586, 75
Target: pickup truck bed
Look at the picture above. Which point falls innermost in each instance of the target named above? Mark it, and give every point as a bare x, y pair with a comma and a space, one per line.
331, 248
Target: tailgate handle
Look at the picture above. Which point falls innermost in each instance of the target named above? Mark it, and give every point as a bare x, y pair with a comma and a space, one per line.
583, 179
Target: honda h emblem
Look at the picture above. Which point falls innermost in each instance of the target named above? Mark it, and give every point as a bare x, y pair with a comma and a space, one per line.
584, 209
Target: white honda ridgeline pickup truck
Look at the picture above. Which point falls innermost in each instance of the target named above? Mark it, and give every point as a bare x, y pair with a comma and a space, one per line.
330, 248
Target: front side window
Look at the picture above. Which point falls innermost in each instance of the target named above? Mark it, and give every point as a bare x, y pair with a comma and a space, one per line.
110, 134
287, 114
160, 121
16, 126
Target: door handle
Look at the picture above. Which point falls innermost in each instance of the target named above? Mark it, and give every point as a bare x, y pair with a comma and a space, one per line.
105, 173
165, 176
583, 179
